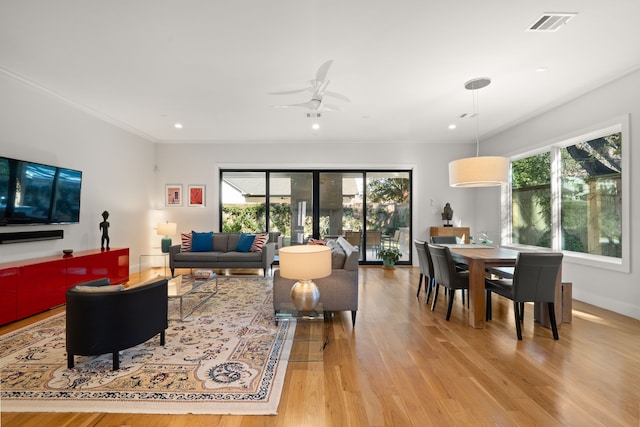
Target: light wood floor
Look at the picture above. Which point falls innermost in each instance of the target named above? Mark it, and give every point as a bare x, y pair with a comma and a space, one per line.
404, 365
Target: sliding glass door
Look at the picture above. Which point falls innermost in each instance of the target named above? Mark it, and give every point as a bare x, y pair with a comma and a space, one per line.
370, 209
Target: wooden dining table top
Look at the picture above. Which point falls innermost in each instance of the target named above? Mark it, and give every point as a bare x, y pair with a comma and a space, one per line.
488, 254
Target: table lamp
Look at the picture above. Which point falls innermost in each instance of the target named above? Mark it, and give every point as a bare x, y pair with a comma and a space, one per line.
167, 229
304, 263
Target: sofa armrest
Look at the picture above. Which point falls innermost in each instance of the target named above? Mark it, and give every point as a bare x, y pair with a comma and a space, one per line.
173, 250
268, 255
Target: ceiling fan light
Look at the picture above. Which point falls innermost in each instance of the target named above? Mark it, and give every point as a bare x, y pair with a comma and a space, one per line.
483, 171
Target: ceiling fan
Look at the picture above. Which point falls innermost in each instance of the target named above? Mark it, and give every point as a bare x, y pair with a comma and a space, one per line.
318, 89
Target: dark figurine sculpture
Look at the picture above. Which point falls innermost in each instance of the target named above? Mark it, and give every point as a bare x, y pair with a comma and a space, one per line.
104, 226
447, 214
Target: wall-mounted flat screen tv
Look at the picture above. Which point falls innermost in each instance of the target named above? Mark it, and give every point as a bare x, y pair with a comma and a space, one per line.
34, 193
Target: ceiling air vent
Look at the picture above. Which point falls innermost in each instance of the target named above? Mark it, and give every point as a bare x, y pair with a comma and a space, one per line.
551, 22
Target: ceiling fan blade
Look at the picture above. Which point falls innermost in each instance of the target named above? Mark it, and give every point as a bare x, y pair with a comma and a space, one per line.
321, 74
314, 104
288, 92
337, 95
327, 107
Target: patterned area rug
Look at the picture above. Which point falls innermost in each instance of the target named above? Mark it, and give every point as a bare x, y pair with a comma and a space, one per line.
228, 357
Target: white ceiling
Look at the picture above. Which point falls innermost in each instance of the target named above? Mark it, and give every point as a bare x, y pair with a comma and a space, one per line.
211, 64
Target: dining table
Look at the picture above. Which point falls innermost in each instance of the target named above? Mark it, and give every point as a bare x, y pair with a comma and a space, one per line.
479, 258
483, 260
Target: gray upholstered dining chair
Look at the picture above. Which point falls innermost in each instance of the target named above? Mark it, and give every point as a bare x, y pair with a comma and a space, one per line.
444, 240
446, 274
426, 269
534, 280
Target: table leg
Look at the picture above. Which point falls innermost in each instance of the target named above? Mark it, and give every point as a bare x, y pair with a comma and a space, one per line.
476, 293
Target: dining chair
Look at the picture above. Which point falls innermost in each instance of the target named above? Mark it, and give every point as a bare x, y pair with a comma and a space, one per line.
374, 240
534, 280
426, 269
446, 274
354, 237
444, 240
392, 241
447, 240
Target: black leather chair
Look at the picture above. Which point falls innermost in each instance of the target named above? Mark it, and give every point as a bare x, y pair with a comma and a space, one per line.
426, 269
446, 274
534, 280
107, 320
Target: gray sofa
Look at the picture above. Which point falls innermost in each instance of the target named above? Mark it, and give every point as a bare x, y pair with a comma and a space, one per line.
339, 291
223, 255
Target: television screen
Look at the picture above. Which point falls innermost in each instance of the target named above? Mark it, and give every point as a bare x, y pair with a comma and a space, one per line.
33, 193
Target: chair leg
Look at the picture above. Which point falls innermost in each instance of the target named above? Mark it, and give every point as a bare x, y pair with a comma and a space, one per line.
435, 297
116, 361
488, 315
516, 309
419, 285
452, 292
430, 284
353, 318
70, 361
462, 296
552, 320
522, 312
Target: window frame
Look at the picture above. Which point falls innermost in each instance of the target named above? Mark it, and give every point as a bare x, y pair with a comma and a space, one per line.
623, 264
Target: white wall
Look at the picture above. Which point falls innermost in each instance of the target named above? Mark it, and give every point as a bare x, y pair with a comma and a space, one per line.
118, 175
195, 163
606, 288
117, 169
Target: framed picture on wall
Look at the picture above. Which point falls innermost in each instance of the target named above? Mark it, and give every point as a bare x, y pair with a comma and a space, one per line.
196, 195
173, 195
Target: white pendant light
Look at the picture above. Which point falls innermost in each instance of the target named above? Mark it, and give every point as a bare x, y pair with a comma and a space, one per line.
479, 171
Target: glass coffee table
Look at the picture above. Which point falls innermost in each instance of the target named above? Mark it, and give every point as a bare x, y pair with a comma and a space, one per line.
191, 293
309, 340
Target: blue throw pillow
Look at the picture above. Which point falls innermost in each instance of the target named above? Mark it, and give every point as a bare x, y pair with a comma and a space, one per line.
201, 242
244, 242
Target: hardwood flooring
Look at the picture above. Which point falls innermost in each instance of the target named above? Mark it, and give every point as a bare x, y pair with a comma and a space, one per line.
404, 365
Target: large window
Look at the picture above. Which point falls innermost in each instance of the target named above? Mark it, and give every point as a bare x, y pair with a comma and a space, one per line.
370, 209
569, 197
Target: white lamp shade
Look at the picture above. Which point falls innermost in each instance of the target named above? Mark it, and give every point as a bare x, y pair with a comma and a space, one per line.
167, 229
483, 171
305, 262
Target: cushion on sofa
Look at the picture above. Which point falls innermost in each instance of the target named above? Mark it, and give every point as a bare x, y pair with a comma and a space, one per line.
220, 241
242, 257
338, 255
244, 242
186, 242
202, 242
197, 256
258, 242
352, 254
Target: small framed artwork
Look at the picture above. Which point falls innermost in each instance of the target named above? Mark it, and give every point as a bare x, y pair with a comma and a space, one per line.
173, 195
196, 195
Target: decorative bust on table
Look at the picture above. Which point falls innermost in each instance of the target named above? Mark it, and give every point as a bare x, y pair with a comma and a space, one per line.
447, 214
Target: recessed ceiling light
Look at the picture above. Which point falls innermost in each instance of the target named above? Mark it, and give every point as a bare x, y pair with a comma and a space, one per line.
315, 126
177, 125
541, 69
452, 126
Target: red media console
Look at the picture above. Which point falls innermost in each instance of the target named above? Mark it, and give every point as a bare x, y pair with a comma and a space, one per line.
30, 286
